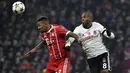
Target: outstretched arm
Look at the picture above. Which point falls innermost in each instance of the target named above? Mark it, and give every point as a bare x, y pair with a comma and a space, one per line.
105, 31
34, 49
71, 37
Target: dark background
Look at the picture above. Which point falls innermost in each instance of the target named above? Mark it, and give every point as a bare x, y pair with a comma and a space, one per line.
18, 33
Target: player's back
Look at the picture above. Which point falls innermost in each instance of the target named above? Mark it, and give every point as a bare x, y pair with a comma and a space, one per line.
56, 39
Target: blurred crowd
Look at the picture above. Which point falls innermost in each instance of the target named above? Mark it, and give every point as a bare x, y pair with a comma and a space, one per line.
18, 33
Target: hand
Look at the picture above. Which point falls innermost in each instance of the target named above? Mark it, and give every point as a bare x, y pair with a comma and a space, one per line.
67, 48
29, 53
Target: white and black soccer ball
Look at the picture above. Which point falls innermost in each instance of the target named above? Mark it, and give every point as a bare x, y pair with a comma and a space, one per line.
18, 7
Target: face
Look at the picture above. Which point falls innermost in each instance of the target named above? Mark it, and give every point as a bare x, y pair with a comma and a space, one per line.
42, 27
85, 19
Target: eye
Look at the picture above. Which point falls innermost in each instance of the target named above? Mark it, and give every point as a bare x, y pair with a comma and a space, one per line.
38, 23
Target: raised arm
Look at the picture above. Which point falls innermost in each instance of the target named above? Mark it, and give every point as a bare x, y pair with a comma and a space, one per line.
105, 32
34, 49
70, 40
73, 35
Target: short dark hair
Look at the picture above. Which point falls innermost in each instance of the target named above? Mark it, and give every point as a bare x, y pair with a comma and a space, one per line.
42, 18
89, 14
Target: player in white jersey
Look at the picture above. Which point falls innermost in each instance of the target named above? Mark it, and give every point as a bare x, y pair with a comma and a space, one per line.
90, 36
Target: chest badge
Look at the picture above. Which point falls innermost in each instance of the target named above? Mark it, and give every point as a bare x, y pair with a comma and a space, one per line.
94, 32
52, 34
89, 33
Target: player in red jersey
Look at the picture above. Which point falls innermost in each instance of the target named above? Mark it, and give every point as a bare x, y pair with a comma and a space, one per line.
55, 37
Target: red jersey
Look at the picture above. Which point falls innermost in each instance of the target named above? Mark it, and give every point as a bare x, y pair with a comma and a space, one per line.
56, 39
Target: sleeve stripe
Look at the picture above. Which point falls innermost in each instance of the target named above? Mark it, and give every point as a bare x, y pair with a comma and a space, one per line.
103, 31
67, 33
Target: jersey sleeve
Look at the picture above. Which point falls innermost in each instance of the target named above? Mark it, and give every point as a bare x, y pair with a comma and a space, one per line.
76, 31
101, 28
62, 30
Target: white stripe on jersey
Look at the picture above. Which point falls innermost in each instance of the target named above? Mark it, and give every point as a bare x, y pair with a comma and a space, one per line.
57, 42
53, 48
65, 65
108, 60
68, 32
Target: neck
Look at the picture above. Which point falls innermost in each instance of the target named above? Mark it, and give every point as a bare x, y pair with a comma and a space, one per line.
87, 26
49, 27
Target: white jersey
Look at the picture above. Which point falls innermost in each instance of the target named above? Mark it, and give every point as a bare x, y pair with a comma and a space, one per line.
91, 39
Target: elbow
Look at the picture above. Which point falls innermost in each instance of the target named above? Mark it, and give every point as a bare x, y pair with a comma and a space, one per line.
109, 35
112, 36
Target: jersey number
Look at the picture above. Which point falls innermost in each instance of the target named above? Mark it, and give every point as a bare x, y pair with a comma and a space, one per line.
104, 65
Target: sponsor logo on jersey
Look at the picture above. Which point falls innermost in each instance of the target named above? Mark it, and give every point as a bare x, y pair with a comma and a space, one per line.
81, 35
88, 37
52, 34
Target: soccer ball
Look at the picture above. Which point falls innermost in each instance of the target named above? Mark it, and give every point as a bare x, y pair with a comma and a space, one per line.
18, 7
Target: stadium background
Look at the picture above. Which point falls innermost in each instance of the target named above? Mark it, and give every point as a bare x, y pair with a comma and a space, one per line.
18, 34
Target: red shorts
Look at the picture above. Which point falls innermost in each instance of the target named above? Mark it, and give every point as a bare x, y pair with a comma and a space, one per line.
59, 66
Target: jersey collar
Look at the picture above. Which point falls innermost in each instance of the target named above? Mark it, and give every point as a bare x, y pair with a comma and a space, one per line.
88, 26
50, 29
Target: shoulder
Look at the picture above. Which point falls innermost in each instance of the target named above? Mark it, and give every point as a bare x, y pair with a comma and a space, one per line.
57, 25
97, 24
59, 28
79, 27
42, 34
